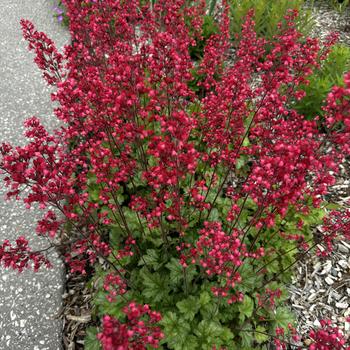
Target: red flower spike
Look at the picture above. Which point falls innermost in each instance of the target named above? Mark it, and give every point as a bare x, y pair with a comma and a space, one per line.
138, 332
20, 256
328, 337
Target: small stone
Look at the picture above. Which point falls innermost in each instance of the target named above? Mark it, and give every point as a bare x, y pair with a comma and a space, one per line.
312, 297
334, 272
308, 342
343, 249
312, 307
329, 280
4, 277
346, 244
343, 264
336, 295
341, 305
317, 267
320, 248
317, 323
326, 267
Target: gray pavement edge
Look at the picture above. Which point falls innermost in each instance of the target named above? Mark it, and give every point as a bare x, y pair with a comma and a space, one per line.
29, 301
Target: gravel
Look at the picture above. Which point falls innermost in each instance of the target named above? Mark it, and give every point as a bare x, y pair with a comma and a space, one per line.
328, 20
321, 288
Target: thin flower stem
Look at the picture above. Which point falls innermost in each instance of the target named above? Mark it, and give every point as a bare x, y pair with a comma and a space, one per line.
59, 207
234, 223
290, 265
236, 154
279, 256
267, 334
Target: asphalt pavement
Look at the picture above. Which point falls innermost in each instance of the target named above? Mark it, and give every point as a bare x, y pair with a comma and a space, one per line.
29, 301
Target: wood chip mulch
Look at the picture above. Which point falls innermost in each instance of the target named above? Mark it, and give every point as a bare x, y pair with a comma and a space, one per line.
76, 311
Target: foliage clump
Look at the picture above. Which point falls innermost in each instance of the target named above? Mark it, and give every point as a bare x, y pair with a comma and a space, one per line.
194, 183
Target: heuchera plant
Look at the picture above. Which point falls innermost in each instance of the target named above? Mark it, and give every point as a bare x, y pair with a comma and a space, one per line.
196, 197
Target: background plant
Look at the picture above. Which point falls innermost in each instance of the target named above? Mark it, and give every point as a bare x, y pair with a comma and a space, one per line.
322, 80
60, 14
339, 5
267, 15
196, 203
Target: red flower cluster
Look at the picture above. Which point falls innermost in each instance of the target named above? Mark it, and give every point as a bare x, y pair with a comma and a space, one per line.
328, 338
130, 114
47, 57
338, 116
269, 297
280, 342
114, 285
20, 257
136, 333
219, 254
335, 225
85, 251
48, 225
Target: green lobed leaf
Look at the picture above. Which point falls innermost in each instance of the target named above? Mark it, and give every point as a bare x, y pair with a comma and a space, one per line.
204, 298
260, 337
176, 330
191, 343
189, 307
247, 336
209, 311
151, 259
212, 333
246, 307
177, 272
249, 278
282, 317
91, 342
155, 286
